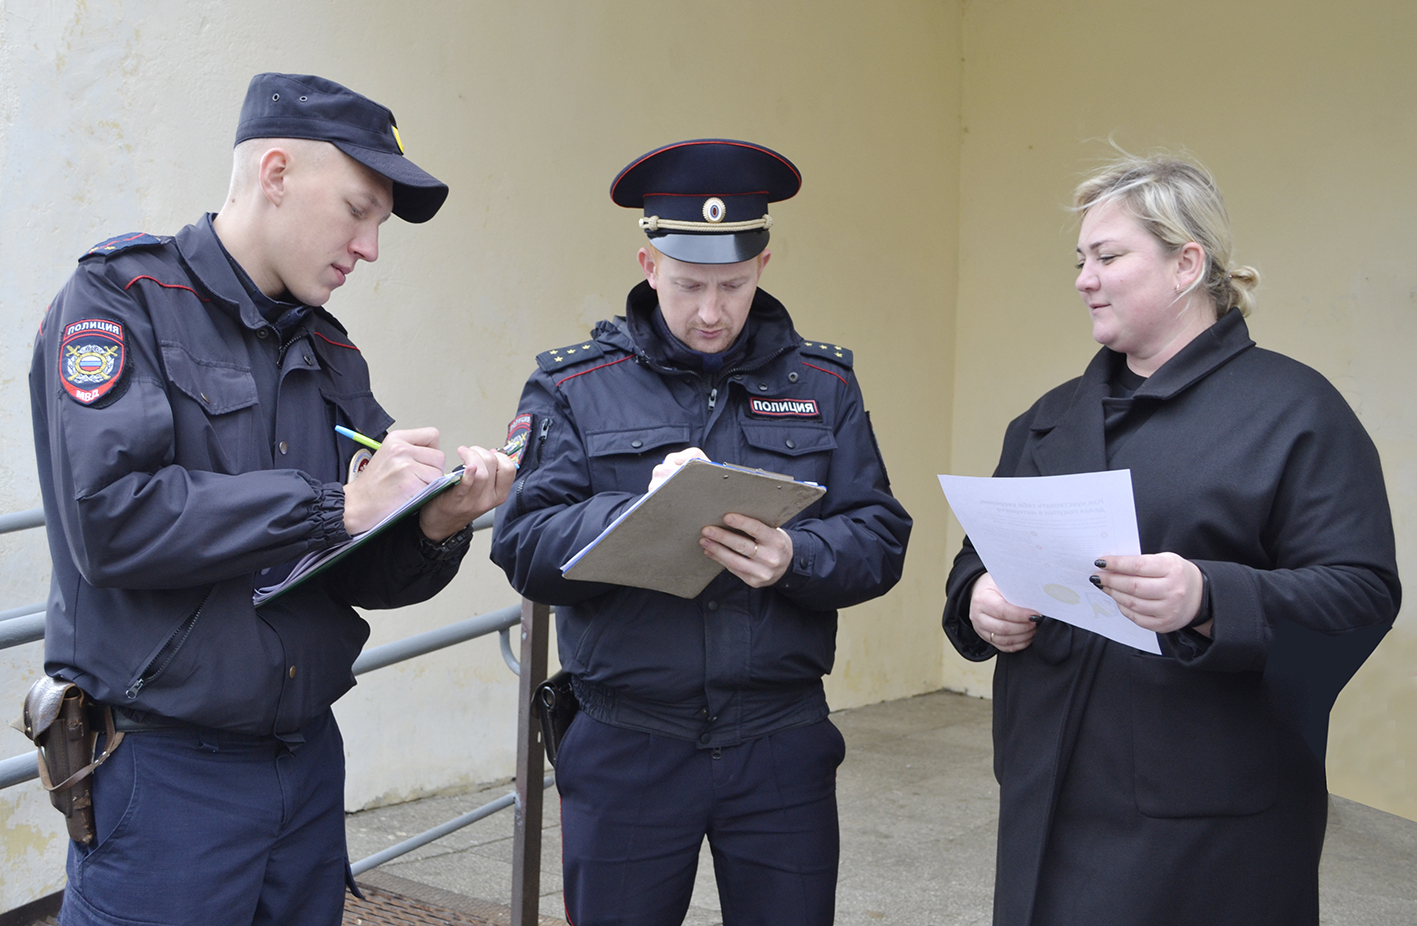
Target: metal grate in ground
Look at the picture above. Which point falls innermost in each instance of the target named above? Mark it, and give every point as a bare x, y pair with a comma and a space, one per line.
397, 901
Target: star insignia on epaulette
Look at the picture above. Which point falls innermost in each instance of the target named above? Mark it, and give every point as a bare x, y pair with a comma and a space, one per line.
560, 356
823, 349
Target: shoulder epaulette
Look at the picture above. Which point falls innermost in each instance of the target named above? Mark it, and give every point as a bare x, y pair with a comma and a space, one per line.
122, 242
563, 357
833, 352
323, 313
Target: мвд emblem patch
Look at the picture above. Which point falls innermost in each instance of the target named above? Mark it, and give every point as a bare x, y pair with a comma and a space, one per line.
91, 359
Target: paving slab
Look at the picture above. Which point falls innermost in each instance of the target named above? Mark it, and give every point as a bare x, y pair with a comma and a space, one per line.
918, 805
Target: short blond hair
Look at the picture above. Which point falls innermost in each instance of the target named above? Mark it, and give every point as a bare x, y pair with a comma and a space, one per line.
246, 158
1176, 200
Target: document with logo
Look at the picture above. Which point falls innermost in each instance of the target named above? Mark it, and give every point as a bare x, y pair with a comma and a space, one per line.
316, 562
655, 543
1039, 535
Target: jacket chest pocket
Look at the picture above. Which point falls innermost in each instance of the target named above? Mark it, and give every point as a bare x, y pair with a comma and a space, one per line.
801, 450
216, 412
622, 460
361, 412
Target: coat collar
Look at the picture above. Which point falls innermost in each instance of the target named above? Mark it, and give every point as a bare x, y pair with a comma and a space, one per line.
202, 252
1072, 420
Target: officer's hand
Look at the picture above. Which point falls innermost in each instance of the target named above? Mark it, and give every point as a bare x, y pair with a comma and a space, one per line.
1008, 627
487, 477
1158, 591
671, 465
407, 461
759, 559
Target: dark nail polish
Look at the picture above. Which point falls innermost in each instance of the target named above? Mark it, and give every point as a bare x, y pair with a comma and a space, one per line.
1095, 580
1035, 618
1100, 563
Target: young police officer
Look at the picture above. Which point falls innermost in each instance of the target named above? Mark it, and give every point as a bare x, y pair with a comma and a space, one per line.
704, 716
184, 392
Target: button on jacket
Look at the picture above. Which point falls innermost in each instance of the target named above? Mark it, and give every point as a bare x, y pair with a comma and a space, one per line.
735, 662
210, 465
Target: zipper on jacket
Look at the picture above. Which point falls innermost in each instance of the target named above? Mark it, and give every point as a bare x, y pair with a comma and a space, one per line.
713, 397
168, 652
541, 432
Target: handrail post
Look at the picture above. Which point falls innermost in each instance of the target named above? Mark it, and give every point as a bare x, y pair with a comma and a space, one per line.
531, 761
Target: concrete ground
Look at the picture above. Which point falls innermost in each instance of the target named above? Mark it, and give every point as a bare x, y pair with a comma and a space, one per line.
918, 802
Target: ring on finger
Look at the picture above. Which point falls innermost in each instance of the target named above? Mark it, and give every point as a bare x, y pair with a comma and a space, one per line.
754, 553
991, 636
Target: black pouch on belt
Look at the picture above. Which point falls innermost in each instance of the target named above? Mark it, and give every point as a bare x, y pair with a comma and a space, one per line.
57, 720
556, 707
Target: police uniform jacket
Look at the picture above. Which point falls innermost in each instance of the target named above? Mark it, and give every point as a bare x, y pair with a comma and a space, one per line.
1137, 788
735, 662
210, 461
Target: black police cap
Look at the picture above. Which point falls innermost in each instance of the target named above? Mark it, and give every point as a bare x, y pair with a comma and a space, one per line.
305, 106
706, 200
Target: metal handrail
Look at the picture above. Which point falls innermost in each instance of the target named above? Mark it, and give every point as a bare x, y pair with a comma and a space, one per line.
21, 520
438, 832
26, 624
20, 769
18, 630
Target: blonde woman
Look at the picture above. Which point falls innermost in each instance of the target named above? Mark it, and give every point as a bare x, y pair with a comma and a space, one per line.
1180, 789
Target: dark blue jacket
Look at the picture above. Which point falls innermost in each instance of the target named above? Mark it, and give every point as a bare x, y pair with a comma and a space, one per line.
211, 458
735, 662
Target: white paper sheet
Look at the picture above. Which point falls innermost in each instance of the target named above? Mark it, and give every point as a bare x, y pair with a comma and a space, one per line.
1039, 535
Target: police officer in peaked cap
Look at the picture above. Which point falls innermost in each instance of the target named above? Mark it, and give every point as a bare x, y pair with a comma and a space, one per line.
184, 391
705, 716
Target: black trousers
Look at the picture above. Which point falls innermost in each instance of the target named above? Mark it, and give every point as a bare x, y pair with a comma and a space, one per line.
636, 807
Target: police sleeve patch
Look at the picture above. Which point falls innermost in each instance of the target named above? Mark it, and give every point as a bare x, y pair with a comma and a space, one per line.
518, 433
122, 243
92, 357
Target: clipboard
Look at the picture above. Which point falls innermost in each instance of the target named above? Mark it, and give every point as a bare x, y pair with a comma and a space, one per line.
655, 543
316, 562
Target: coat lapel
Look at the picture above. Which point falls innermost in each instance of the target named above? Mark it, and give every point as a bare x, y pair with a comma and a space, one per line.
1072, 436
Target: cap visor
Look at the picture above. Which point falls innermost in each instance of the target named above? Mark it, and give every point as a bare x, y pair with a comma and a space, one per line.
418, 195
712, 249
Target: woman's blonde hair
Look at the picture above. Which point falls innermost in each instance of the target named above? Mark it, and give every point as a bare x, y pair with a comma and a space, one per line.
1176, 200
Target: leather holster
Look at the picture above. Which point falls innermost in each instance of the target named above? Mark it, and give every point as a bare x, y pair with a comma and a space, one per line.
57, 718
556, 706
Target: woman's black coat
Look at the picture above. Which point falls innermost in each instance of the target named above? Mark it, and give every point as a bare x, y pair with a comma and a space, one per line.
1178, 788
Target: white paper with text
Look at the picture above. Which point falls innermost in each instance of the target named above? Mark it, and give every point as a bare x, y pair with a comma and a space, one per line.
1039, 536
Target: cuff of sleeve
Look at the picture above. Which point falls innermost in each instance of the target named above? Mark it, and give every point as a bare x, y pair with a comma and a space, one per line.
804, 559
958, 627
327, 511
448, 550
1186, 644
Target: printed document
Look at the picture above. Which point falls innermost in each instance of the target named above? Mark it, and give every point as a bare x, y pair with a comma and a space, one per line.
1039, 535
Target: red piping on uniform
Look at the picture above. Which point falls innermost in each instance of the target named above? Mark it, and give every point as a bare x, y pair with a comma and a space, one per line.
335, 343
165, 286
824, 370
593, 369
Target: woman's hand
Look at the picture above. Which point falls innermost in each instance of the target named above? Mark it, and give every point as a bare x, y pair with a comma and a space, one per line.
1158, 591
1008, 627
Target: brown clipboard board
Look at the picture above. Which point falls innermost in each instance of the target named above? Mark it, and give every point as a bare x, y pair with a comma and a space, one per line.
655, 543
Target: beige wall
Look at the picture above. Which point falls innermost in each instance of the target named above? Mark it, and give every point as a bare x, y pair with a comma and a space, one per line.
1307, 116
938, 141
118, 116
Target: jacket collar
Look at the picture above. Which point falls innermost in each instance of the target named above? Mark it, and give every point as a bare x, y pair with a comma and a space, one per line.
1076, 443
202, 252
